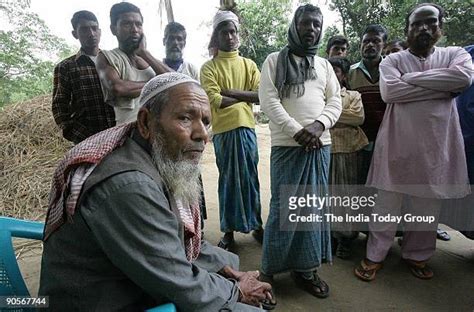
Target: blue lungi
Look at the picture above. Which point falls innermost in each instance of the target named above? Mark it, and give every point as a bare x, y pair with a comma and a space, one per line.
239, 190
292, 168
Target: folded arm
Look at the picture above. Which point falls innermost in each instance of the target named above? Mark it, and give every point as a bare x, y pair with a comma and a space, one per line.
394, 89
251, 95
455, 78
353, 114
212, 88
241, 96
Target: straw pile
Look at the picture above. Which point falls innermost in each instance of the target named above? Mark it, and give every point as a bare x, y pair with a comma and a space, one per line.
31, 146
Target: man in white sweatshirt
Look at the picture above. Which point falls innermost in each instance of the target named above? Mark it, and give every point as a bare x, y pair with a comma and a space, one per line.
300, 94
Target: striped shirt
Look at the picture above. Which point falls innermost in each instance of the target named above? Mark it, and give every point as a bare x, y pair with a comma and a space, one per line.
359, 79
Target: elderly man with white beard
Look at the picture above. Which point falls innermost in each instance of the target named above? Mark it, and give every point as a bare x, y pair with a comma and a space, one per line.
123, 228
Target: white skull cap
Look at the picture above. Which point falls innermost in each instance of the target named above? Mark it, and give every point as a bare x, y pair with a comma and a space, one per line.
161, 83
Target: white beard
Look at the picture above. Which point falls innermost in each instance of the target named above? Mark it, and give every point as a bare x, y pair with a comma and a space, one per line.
175, 56
181, 176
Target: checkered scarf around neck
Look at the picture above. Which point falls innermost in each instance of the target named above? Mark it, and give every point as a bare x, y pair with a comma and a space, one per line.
190, 215
290, 77
73, 171
79, 162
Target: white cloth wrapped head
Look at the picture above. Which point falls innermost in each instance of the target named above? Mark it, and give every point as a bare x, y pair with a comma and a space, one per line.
225, 16
161, 83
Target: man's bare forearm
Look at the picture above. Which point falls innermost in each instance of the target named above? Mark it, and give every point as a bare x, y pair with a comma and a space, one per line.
243, 96
158, 66
127, 88
228, 101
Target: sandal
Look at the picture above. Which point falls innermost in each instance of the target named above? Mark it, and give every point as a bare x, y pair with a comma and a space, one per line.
420, 269
442, 235
316, 286
366, 272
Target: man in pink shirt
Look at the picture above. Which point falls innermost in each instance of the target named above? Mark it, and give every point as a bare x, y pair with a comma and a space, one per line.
419, 152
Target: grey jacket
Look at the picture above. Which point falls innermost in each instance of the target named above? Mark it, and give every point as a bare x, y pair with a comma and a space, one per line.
124, 248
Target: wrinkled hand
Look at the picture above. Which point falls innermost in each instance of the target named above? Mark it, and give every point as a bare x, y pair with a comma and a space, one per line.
252, 290
309, 136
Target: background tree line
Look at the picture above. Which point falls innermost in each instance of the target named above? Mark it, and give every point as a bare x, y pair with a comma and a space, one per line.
29, 50
458, 25
265, 23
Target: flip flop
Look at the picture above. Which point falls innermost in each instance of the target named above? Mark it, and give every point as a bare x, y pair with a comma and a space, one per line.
366, 272
442, 235
420, 269
315, 286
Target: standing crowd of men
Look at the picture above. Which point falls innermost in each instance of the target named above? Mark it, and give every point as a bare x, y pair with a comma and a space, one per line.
124, 224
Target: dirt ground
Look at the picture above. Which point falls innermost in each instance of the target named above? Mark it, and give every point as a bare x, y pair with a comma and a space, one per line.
395, 289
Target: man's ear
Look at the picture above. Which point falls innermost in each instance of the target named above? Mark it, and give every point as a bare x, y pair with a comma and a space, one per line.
113, 29
74, 34
144, 122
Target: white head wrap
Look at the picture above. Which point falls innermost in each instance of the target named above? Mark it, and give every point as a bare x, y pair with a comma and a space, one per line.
225, 16
161, 83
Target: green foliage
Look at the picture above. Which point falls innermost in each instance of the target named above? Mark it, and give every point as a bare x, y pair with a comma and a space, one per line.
28, 52
328, 33
264, 27
357, 14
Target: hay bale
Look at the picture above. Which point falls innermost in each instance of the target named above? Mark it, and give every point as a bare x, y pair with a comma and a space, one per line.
32, 145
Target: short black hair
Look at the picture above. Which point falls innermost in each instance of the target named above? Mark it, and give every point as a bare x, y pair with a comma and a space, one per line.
82, 15
308, 7
337, 39
375, 29
400, 42
174, 27
441, 14
120, 8
341, 62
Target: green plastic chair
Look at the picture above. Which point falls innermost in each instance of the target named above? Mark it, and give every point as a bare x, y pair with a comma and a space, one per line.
169, 307
11, 280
